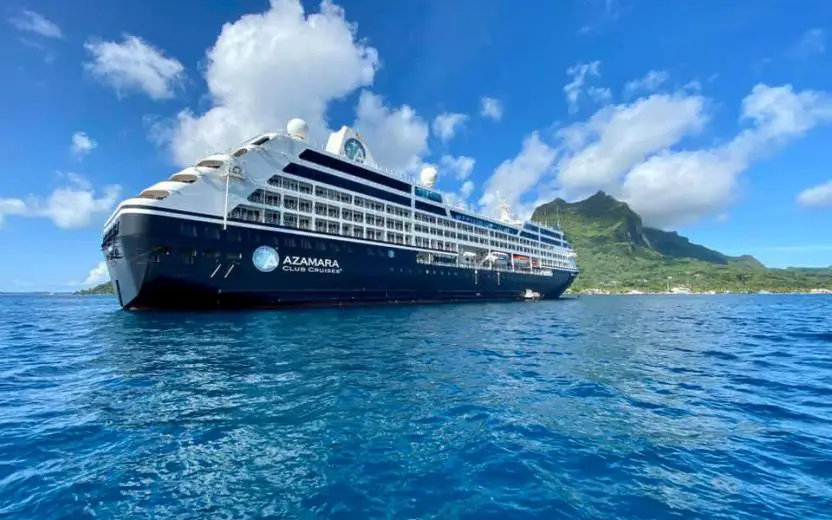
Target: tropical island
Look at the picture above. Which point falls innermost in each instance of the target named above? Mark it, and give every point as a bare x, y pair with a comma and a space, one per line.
618, 254
103, 289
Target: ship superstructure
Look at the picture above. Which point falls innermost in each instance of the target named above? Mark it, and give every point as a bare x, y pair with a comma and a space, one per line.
278, 221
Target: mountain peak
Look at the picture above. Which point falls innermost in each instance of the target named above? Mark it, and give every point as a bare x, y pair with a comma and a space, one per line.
601, 202
606, 230
601, 194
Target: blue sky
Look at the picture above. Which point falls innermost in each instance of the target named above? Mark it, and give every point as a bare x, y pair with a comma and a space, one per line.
712, 118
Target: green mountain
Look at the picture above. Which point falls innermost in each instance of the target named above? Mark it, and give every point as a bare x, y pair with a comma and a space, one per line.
616, 251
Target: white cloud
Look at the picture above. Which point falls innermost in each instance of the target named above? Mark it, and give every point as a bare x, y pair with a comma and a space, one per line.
70, 206
135, 65
445, 125
462, 166
618, 137
517, 177
632, 151
97, 275
30, 21
675, 188
11, 207
693, 87
398, 138
491, 108
649, 83
816, 196
460, 198
579, 73
269, 67
600, 95
455, 200
82, 144
812, 42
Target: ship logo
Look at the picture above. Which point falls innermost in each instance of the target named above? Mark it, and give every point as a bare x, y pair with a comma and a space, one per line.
265, 259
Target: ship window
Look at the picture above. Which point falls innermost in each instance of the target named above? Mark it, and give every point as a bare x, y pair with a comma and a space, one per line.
212, 232
189, 230
391, 253
272, 217
235, 236
351, 169
241, 152
320, 246
306, 244
154, 194
210, 163
262, 140
338, 182
289, 242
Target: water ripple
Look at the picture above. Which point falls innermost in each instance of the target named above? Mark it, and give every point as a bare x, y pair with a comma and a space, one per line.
606, 407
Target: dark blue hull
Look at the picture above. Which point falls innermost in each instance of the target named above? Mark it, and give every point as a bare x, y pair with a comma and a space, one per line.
169, 262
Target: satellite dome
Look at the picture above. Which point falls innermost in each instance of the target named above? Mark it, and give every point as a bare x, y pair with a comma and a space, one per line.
297, 128
428, 176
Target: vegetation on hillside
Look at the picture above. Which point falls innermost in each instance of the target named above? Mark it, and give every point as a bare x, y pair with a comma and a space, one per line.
617, 252
104, 288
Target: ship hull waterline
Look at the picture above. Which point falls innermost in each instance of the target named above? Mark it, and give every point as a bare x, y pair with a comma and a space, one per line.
160, 261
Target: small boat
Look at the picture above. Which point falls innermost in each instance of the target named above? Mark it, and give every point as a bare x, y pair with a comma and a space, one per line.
531, 295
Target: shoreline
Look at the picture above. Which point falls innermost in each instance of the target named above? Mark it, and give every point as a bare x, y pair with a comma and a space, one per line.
639, 292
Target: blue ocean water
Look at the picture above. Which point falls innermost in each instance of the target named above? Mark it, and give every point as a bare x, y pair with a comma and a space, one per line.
599, 407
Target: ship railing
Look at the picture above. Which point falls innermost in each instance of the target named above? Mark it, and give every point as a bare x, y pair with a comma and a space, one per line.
268, 155
540, 271
387, 171
383, 169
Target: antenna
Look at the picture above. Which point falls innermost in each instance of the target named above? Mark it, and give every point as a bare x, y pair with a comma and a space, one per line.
225, 211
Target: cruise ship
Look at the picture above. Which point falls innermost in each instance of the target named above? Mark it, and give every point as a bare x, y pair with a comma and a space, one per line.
278, 221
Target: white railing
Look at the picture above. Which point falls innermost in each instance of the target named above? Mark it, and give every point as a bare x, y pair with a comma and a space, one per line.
268, 155
537, 272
